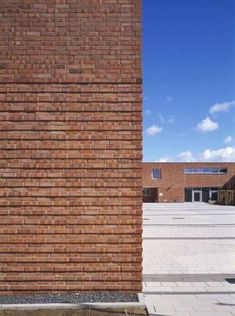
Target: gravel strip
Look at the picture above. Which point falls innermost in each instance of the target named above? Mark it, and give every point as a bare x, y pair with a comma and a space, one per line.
73, 298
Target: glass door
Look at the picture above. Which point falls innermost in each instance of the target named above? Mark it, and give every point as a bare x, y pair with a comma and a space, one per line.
197, 196
213, 195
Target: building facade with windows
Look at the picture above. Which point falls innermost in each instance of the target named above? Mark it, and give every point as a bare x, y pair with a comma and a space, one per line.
186, 182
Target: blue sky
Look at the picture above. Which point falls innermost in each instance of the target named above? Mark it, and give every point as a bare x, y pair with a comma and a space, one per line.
188, 75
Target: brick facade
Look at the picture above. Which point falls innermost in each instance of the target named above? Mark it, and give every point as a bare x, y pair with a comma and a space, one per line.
173, 181
71, 146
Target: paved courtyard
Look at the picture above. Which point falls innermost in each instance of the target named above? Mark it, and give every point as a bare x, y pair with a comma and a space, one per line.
189, 250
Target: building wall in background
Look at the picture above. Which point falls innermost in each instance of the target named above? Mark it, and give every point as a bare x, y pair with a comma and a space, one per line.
70, 133
173, 181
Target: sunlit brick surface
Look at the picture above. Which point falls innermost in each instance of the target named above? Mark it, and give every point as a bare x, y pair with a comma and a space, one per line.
70, 135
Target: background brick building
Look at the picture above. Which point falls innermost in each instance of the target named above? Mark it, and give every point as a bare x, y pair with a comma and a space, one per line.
70, 135
186, 182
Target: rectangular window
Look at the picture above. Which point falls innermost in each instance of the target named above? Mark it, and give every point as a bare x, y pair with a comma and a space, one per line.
156, 174
207, 170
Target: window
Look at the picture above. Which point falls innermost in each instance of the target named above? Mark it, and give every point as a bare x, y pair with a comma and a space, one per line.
207, 170
156, 174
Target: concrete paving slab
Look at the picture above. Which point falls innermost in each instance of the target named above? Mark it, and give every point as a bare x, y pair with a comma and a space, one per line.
194, 305
189, 278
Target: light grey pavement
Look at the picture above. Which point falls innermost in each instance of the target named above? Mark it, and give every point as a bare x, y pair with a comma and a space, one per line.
189, 250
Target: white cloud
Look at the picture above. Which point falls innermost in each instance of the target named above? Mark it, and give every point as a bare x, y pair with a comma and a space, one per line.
228, 139
225, 154
207, 125
221, 154
153, 130
164, 159
165, 120
222, 107
185, 156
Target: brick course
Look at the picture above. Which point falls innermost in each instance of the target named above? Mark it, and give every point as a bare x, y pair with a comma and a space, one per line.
71, 146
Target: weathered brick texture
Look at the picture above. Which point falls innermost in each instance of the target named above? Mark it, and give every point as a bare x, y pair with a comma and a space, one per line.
70, 136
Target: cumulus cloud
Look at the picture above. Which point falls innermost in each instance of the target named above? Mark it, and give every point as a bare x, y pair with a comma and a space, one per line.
222, 107
228, 140
164, 159
221, 154
153, 130
185, 156
207, 125
225, 154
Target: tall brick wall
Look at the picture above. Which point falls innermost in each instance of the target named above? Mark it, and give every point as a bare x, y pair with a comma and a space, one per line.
70, 137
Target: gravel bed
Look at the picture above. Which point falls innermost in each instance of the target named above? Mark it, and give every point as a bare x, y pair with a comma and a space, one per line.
73, 298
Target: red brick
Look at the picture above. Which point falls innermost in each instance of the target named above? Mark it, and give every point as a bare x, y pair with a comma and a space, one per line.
70, 137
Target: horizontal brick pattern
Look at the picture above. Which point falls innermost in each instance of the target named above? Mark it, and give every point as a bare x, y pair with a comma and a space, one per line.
67, 40
70, 137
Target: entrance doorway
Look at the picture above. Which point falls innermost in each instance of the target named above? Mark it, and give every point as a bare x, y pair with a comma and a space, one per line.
150, 195
213, 195
196, 195
200, 194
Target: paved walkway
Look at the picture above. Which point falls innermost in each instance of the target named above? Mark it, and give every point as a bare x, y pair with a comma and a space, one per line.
189, 251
